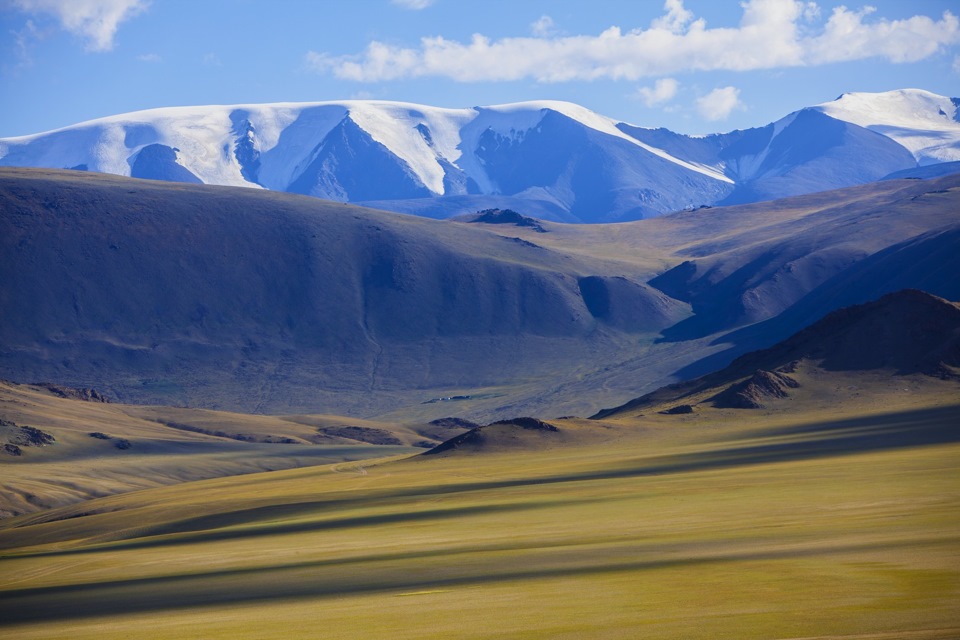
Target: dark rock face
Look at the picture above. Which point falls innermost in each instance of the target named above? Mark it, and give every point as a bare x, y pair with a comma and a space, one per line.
751, 393
454, 423
508, 216
159, 162
531, 424
245, 149
87, 395
349, 165
362, 434
477, 438
18, 436
680, 409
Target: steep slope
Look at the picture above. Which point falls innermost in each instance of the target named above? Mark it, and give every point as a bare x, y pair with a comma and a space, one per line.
260, 301
738, 275
904, 333
556, 160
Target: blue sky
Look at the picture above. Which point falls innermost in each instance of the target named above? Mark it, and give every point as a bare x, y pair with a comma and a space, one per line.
695, 66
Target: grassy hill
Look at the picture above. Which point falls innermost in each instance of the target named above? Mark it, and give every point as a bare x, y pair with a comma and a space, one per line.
829, 522
95, 449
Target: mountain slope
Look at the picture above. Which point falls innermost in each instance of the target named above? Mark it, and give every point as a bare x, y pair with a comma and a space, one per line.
260, 301
556, 159
255, 300
903, 333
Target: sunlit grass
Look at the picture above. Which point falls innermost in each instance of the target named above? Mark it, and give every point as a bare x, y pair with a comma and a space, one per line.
643, 530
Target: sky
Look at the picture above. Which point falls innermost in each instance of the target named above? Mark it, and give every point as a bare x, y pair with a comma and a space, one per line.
693, 66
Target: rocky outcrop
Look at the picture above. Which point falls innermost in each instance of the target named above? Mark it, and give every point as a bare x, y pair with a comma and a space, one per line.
752, 392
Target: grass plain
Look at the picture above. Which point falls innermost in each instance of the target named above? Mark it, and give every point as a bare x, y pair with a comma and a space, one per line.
833, 513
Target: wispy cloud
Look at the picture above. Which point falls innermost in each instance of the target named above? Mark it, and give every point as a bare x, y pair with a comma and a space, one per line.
719, 103
662, 91
413, 5
543, 27
212, 60
96, 21
150, 57
771, 34
23, 40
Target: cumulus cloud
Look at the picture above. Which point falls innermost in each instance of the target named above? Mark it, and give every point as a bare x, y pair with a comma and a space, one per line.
413, 5
719, 103
96, 21
771, 34
662, 91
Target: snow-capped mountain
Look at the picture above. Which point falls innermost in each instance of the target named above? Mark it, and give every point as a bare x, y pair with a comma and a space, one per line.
550, 159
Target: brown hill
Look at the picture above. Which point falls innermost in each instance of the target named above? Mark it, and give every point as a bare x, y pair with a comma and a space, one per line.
516, 433
907, 332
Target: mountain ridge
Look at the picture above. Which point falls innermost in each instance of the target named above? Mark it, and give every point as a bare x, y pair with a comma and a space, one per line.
905, 332
557, 158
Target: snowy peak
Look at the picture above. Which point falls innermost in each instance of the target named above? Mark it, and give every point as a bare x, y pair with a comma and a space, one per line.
925, 123
551, 159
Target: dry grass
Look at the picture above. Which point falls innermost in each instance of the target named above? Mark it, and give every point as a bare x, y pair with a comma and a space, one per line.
821, 521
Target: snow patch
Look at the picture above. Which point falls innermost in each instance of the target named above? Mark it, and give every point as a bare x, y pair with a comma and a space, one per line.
923, 122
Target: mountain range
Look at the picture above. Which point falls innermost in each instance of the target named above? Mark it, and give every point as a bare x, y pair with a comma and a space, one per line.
552, 160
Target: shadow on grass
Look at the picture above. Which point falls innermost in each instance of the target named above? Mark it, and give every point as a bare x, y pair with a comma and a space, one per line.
351, 576
834, 438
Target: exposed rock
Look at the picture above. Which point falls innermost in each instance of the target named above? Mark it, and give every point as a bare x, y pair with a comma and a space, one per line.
478, 438
751, 393
454, 423
369, 435
99, 435
508, 216
122, 443
88, 395
678, 410
532, 424
12, 450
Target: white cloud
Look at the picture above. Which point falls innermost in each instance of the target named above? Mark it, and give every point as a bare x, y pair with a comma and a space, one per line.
96, 21
676, 19
772, 34
212, 60
149, 57
662, 91
413, 5
719, 103
956, 63
848, 37
543, 27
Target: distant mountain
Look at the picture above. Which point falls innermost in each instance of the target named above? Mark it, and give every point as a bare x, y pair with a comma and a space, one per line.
905, 332
552, 160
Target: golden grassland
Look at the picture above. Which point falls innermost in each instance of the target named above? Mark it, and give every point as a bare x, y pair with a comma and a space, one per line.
169, 445
814, 519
